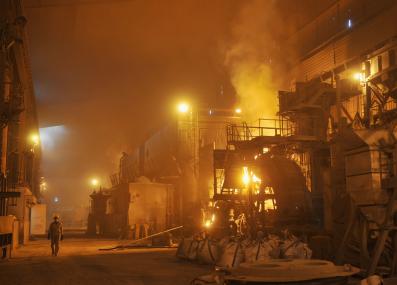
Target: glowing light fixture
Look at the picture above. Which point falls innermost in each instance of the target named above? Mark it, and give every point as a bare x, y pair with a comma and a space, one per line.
238, 111
35, 139
359, 76
183, 107
349, 23
94, 182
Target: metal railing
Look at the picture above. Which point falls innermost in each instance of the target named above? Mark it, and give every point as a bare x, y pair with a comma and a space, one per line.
265, 127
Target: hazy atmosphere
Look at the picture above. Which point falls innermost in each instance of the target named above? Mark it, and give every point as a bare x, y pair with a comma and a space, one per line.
123, 65
224, 142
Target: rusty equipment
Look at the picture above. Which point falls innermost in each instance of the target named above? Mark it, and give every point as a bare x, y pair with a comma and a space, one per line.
276, 195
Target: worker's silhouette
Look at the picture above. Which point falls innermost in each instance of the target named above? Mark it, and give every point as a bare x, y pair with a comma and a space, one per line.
55, 234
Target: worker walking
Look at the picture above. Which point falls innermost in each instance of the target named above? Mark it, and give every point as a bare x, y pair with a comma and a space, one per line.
55, 234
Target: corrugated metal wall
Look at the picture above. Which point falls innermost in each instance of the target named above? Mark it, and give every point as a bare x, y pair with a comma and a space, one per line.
351, 43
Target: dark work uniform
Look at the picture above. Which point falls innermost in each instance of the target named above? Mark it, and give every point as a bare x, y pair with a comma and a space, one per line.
55, 234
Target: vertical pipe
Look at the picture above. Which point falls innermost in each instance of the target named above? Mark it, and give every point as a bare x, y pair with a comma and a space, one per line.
367, 90
4, 142
6, 100
4, 135
338, 101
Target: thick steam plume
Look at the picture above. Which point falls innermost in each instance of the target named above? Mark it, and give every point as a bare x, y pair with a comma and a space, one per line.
251, 57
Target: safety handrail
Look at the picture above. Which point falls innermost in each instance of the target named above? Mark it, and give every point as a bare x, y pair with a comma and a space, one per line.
265, 127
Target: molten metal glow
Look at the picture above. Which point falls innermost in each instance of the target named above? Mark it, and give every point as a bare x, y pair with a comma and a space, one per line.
183, 107
269, 190
207, 224
270, 204
256, 179
246, 176
238, 110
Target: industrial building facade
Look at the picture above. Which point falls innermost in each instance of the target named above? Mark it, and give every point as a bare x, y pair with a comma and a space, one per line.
330, 158
342, 108
176, 161
20, 152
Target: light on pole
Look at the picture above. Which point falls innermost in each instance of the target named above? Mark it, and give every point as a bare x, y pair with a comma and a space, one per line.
34, 140
94, 183
183, 107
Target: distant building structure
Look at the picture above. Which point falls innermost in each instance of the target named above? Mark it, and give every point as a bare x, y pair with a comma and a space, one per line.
20, 150
176, 161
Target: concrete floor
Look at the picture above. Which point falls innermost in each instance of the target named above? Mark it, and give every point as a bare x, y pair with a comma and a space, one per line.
80, 262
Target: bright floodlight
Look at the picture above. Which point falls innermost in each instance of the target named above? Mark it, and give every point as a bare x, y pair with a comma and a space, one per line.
183, 107
359, 76
35, 139
94, 182
238, 111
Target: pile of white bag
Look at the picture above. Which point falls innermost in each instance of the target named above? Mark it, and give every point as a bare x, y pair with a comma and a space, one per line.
230, 252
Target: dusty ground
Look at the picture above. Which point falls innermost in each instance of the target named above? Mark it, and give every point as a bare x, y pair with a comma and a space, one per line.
80, 262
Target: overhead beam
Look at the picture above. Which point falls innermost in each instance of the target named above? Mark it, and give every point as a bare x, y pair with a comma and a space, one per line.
10, 194
37, 4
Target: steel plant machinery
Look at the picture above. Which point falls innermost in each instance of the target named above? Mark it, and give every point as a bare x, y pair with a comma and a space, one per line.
329, 161
258, 184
